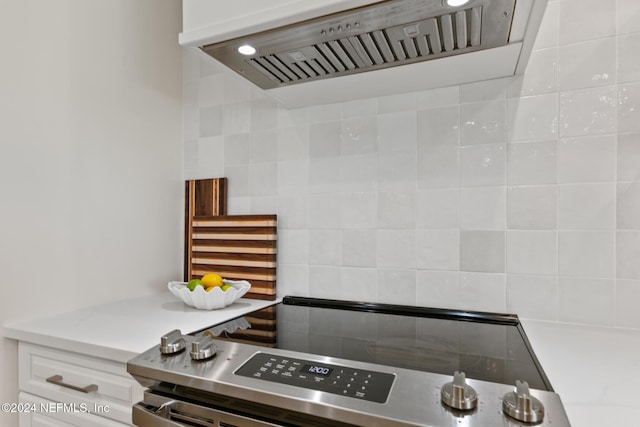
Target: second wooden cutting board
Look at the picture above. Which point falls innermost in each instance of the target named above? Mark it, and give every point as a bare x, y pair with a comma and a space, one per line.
238, 247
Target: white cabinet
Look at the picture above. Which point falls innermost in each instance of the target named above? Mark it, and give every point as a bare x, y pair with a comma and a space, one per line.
68, 388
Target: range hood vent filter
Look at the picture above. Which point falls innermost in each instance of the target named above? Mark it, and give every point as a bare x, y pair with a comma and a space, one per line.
382, 35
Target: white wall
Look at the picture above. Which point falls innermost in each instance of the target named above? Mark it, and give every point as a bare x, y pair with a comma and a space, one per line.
518, 194
90, 157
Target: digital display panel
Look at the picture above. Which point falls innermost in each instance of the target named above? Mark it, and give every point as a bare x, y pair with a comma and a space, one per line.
317, 370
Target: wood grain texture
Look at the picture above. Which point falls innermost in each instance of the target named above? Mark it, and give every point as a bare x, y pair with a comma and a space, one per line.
238, 247
202, 197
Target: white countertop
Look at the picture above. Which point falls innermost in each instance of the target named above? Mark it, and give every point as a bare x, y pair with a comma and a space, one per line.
120, 330
594, 370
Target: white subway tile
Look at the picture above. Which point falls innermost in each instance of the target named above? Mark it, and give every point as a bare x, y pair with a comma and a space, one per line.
359, 248
210, 121
532, 252
397, 286
359, 135
324, 211
211, 156
264, 114
211, 90
397, 132
533, 297
396, 103
482, 251
483, 208
627, 297
439, 97
190, 159
483, 165
397, 171
263, 205
438, 249
532, 207
628, 205
239, 205
237, 149
438, 167
356, 282
357, 210
587, 206
588, 112
628, 254
437, 288
324, 113
483, 122
293, 279
293, 177
236, 89
438, 127
586, 254
438, 208
628, 61
293, 117
325, 139
324, 175
628, 157
324, 247
264, 146
397, 210
324, 281
238, 178
532, 163
589, 301
359, 108
587, 159
533, 118
293, 246
484, 292
293, 211
629, 107
359, 173
587, 64
293, 143
237, 118
396, 248
264, 179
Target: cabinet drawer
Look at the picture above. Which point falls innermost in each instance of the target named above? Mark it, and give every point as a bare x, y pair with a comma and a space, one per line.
103, 386
45, 414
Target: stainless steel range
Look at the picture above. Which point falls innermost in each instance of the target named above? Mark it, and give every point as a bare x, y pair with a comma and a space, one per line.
315, 362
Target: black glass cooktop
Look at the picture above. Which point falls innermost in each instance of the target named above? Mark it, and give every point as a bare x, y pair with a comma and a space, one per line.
486, 346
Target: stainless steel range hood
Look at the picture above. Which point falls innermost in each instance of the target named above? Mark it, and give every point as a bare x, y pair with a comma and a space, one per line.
383, 48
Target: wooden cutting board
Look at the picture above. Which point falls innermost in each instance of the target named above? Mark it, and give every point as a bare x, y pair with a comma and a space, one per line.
238, 247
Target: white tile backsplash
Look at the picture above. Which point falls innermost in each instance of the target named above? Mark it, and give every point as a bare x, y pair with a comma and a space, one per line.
519, 194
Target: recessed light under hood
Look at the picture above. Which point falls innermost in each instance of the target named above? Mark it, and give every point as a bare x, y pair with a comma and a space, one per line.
366, 49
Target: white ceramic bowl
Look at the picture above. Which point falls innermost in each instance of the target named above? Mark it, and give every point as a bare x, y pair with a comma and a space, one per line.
215, 299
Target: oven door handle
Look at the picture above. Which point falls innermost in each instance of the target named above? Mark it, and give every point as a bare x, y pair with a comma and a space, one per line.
164, 416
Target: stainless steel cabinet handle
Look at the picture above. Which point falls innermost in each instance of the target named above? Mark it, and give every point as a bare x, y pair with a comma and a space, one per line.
57, 380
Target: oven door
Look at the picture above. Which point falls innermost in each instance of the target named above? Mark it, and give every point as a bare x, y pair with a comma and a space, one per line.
161, 411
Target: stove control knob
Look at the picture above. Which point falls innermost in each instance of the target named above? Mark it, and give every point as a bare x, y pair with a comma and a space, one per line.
458, 394
204, 348
172, 343
520, 405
